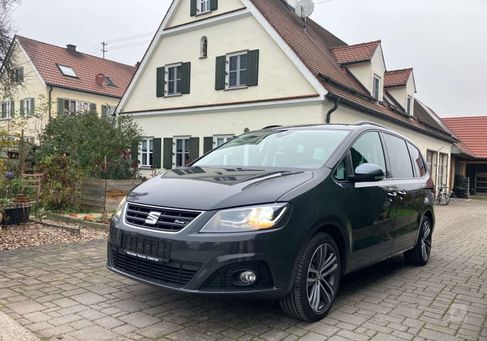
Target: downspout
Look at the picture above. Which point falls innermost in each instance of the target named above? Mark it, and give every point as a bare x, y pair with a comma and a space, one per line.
49, 105
332, 110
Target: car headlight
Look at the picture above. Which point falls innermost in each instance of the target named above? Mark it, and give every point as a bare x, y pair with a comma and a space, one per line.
245, 219
120, 208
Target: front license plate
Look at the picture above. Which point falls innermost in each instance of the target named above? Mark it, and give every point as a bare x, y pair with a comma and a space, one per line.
146, 248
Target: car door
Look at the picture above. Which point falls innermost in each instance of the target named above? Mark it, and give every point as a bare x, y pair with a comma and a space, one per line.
370, 209
407, 191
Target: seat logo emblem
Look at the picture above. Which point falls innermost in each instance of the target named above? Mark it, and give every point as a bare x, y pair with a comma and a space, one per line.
153, 218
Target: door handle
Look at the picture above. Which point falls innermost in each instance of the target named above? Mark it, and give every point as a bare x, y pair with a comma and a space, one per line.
402, 194
392, 196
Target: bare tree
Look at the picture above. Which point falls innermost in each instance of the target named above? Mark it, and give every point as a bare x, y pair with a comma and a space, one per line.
7, 58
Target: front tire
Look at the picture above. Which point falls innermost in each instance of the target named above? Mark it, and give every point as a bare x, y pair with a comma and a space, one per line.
421, 252
317, 280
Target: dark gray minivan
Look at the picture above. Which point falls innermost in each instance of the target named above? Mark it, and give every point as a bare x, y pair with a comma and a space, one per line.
282, 213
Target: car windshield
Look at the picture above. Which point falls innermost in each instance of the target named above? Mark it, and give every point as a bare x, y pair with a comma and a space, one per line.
305, 149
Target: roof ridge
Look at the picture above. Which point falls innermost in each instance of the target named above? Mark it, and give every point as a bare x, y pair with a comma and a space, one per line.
355, 45
400, 70
83, 53
467, 116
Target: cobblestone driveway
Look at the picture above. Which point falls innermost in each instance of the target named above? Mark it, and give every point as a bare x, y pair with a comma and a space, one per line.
65, 293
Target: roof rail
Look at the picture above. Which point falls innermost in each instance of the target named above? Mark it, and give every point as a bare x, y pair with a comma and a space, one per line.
273, 126
361, 123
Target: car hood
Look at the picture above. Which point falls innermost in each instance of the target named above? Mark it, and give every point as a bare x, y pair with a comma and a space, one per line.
203, 188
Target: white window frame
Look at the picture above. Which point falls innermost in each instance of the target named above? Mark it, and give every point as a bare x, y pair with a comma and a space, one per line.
28, 106
226, 138
238, 70
175, 81
67, 71
79, 106
409, 105
147, 153
379, 86
7, 110
203, 6
175, 153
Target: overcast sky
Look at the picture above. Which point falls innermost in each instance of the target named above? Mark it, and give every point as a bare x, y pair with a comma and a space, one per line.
444, 40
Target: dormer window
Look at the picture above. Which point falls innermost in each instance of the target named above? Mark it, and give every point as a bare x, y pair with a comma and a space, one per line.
109, 81
409, 105
67, 71
376, 87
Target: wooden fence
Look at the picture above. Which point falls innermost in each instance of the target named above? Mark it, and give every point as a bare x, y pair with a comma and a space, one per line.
103, 195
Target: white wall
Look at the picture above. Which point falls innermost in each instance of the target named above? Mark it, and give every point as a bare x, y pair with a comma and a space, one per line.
401, 93
278, 76
365, 72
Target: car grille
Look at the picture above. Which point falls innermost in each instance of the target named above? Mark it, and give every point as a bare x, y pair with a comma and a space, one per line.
159, 218
171, 274
225, 278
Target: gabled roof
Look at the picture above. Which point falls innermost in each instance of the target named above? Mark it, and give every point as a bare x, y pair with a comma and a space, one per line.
315, 46
355, 53
47, 58
397, 77
472, 132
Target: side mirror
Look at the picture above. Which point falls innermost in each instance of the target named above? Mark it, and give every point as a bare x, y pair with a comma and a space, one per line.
368, 172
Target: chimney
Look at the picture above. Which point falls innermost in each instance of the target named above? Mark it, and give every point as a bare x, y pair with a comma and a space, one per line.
71, 47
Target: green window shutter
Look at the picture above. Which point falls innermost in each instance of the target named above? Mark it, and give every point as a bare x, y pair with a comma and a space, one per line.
193, 8
214, 5
104, 111
2, 110
12, 109
253, 68
22, 105
160, 82
207, 144
134, 153
167, 153
221, 63
185, 78
33, 106
157, 144
60, 106
194, 148
93, 108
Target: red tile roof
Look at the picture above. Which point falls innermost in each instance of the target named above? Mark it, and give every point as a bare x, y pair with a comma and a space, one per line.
472, 132
47, 57
355, 53
397, 77
314, 47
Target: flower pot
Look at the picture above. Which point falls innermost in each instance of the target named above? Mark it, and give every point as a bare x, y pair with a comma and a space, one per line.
16, 215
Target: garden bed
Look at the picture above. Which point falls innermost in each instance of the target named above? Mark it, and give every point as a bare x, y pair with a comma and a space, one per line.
31, 235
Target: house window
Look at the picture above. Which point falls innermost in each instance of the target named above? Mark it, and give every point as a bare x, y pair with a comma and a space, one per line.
146, 152
237, 70
204, 47
18, 75
218, 140
173, 80
72, 106
27, 107
182, 151
376, 89
204, 6
409, 105
67, 71
7, 110
443, 169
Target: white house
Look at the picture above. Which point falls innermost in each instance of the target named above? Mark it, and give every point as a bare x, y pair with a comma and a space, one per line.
216, 69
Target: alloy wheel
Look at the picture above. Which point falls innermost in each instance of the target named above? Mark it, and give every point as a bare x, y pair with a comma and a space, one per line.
426, 240
322, 278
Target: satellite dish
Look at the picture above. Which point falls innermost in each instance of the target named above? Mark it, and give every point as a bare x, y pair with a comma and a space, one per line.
304, 8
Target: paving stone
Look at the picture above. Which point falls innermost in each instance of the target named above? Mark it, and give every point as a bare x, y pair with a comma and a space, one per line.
88, 298
93, 333
26, 307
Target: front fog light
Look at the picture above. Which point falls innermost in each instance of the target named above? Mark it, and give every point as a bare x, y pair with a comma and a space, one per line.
248, 277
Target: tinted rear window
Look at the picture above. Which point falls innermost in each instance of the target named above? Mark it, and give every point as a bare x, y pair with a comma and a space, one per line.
398, 153
418, 162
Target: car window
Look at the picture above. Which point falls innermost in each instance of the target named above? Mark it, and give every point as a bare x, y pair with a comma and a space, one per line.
368, 149
341, 171
418, 162
398, 153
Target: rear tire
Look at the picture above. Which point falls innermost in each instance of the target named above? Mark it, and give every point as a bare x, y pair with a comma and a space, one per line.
317, 280
421, 252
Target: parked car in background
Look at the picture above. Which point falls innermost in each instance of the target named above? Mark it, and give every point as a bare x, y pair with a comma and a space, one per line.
282, 213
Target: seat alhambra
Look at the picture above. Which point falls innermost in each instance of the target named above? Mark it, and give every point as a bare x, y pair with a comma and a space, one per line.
279, 213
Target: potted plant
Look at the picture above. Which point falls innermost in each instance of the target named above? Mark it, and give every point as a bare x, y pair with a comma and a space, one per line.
14, 207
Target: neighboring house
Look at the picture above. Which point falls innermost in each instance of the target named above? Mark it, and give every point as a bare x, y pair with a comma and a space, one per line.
54, 80
470, 153
216, 69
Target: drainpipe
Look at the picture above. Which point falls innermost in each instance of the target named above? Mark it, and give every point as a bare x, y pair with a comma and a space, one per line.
332, 110
49, 103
